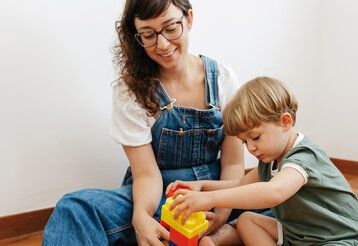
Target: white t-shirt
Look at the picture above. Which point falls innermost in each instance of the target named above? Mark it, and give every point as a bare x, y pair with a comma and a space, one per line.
131, 125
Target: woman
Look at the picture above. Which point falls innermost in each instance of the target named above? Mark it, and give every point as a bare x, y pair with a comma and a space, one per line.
166, 114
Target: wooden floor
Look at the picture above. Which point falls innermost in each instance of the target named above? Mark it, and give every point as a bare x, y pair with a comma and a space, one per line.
34, 239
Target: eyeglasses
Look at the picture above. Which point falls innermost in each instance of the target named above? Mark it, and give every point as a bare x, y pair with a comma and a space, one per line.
170, 32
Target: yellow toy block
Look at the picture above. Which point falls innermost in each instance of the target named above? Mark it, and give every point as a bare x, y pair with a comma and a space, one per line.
195, 224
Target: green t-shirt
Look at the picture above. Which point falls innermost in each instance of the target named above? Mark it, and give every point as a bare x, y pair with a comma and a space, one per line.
325, 209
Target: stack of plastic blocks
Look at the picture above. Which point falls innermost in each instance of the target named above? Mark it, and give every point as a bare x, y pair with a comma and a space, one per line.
182, 235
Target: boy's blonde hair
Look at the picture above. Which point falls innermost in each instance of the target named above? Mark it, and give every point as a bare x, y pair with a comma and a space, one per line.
259, 100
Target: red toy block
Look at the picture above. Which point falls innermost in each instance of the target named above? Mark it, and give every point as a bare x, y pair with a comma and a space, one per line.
165, 225
181, 240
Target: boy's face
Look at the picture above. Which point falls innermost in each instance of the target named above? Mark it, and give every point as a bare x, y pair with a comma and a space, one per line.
267, 142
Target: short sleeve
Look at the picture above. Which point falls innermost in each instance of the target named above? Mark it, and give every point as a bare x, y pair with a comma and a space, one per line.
130, 123
298, 168
308, 161
228, 84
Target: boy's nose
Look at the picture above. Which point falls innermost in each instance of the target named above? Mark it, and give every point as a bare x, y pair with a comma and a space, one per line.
251, 147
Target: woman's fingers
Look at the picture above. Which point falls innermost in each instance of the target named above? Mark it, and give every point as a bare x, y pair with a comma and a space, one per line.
169, 187
164, 234
209, 215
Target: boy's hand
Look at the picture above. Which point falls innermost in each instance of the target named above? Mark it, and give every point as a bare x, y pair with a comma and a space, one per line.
192, 185
191, 201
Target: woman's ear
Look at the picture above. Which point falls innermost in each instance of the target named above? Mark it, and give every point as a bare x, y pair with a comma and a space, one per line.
286, 121
190, 18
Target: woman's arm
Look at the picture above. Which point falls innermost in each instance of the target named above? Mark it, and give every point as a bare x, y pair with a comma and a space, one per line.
232, 170
232, 166
147, 192
232, 159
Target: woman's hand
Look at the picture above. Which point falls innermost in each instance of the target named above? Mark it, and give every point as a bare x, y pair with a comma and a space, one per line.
191, 201
148, 231
193, 185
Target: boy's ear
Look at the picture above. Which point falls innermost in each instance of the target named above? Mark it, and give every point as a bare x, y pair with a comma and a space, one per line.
286, 120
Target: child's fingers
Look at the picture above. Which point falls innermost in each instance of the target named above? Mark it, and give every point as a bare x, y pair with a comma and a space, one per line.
177, 184
176, 201
186, 216
178, 210
180, 192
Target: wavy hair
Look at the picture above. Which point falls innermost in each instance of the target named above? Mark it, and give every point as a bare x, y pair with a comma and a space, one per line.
135, 68
259, 100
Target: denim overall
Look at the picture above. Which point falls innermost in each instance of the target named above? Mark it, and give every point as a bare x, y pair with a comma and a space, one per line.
186, 144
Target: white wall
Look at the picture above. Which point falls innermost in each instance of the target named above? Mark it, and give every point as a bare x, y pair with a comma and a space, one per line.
55, 100
55, 75
336, 90
275, 38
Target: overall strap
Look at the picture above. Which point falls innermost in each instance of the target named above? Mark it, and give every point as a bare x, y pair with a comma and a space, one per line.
165, 102
211, 81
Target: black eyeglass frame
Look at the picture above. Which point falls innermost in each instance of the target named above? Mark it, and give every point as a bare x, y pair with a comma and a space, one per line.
179, 21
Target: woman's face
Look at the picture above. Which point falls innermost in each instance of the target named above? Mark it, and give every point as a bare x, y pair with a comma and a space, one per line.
167, 53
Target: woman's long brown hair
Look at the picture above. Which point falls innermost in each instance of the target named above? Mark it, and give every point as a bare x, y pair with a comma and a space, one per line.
135, 68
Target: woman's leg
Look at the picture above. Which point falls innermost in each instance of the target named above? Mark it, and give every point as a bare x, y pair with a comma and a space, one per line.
91, 217
257, 229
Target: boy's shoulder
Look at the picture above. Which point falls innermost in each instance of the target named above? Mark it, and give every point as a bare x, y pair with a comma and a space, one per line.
306, 151
309, 156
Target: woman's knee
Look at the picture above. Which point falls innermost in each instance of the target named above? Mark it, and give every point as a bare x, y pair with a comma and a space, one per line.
72, 204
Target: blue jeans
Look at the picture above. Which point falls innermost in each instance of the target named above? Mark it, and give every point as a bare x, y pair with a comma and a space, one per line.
90, 217
103, 217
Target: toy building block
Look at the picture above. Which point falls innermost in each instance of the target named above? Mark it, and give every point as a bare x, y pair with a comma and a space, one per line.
181, 240
170, 194
182, 235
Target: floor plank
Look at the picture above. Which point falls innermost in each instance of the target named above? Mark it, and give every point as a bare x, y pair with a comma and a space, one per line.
353, 181
32, 239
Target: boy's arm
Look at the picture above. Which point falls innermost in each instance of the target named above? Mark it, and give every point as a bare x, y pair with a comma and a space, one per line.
261, 194
251, 196
211, 185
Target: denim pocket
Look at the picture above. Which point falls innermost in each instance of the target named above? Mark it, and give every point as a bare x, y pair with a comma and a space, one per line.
186, 148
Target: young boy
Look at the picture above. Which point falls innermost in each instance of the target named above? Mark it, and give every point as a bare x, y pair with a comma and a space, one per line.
310, 198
